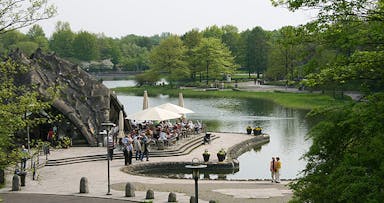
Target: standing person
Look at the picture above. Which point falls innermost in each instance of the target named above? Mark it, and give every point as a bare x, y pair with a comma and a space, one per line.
145, 148
277, 169
125, 142
50, 136
272, 169
24, 157
129, 152
137, 145
111, 147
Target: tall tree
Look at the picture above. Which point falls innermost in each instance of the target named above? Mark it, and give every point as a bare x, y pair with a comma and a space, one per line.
16, 101
62, 40
37, 35
255, 51
214, 58
168, 59
191, 40
85, 46
345, 159
22, 13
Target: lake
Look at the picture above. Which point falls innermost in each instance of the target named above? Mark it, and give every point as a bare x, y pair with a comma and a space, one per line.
287, 128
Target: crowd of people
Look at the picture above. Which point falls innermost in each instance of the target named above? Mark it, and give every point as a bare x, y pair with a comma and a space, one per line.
136, 144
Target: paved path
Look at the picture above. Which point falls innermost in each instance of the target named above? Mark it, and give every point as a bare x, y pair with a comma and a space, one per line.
64, 180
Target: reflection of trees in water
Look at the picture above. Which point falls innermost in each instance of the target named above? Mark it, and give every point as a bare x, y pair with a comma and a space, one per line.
292, 129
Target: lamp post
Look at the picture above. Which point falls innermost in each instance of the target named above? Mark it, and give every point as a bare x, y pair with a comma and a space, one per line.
108, 125
196, 166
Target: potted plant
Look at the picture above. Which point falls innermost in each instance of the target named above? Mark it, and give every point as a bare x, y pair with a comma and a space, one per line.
221, 155
206, 155
257, 131
249, 130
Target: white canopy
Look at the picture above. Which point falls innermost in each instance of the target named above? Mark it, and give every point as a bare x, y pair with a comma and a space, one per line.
153, 114
175, 108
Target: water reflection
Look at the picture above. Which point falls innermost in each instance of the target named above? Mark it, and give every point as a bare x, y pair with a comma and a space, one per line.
287, 128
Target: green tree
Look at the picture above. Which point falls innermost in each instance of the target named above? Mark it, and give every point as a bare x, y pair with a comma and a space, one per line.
16, 101
62, 40
22, 13
191, 40
109, 49
255, 51
85, 46
36, 34
213, 58
168, 60
345, 159
213, 32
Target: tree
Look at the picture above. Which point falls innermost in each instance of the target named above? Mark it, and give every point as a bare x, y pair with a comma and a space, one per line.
345, 159
17, 100
255, 51
213, 32
85, 46
213, 58
22, 13
191, 40
168, 59
62, 40
36, 34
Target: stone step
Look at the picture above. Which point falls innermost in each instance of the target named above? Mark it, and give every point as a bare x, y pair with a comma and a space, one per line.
183, 149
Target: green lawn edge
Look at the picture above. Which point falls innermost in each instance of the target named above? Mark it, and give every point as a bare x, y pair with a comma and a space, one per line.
305, 101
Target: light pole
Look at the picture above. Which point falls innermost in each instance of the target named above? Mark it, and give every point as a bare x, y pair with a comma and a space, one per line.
108, 125
196, 166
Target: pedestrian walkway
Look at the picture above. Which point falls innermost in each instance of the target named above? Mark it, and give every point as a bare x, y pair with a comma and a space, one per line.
65, 179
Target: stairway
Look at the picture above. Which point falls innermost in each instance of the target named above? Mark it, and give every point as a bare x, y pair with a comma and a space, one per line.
184, 147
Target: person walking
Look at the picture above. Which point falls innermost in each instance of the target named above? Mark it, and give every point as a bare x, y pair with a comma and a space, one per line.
111, 147
24, 157
125, 142
272, 169
145, 148
277, 169
137, 145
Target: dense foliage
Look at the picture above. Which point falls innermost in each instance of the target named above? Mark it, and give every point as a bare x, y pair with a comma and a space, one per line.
18, 102
345, 160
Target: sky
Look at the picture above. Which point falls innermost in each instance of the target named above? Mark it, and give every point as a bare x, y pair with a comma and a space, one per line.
117, 18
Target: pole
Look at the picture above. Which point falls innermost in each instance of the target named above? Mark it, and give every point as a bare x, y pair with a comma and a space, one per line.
196, 190
108, 157
29, 145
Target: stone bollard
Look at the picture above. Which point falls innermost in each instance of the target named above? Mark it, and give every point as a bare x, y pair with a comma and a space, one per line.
129, 190
15, 183
172, 197
212, 201
192, 199
84, 185
150, 194
22, 175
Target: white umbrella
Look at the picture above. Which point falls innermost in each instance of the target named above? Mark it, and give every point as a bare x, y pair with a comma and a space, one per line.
154, 114
175, 108
181, 99
121, 125
145, 100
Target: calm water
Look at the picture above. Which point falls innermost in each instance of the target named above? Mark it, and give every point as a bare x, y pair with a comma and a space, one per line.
287, 128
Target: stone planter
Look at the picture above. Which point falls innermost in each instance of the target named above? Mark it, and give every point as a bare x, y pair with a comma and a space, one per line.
221, 157
206, 157
249, 131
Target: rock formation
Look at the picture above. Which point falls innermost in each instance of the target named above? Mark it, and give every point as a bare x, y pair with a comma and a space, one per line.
83, 100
